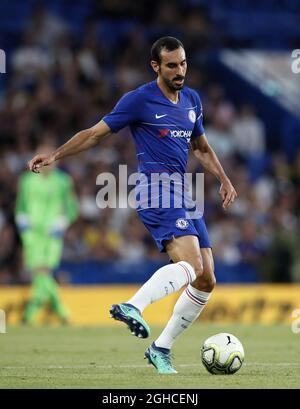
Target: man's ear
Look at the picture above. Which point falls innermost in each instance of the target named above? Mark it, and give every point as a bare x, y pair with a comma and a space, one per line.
155, 66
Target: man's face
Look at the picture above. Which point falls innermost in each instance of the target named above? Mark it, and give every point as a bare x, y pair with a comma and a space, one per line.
172, 68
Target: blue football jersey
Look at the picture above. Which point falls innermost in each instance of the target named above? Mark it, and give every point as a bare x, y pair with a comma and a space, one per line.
162, 130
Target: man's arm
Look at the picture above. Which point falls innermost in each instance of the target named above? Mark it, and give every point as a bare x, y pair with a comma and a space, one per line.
208, 159
81, 141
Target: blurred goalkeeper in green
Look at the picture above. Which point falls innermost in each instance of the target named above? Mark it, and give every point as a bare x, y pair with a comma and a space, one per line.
46, 206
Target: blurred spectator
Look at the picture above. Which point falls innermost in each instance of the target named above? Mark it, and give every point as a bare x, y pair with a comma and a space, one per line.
29, 59
249, 244
102, 241
132, 247
9, 255
46, 27
277, 264
249, 133
220, 130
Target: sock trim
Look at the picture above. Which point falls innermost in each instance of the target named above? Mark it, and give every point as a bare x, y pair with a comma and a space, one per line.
188, 274
202, 296
160, 349
194, 299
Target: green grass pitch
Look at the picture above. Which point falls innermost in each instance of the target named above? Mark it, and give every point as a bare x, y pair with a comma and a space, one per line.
109, 357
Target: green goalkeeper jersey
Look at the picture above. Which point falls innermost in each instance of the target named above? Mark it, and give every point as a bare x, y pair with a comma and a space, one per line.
44, 201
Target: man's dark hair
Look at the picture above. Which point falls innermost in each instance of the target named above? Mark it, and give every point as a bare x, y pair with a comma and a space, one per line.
169, 43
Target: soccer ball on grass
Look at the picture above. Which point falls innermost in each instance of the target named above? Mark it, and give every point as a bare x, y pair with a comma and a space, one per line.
222, 354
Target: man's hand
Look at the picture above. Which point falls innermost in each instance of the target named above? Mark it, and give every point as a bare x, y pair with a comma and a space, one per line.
228, 193
23, 222
40, 161
58, 228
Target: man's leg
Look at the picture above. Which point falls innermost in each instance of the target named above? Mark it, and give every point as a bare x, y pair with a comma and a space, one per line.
165, 281
39, 295
191, 302
54, 250
57, 306
44, 290
42, 254
33, 251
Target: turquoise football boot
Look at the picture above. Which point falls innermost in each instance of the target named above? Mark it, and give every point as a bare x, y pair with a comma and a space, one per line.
161, 359
132, 317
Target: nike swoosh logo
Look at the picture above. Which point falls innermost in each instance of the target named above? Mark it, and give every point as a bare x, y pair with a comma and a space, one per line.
185, 319
160, 116
172, 285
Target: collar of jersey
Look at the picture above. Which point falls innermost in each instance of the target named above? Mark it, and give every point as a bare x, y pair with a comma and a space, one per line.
167, 99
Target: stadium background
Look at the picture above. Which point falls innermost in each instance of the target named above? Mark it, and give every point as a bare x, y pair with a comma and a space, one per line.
68, 62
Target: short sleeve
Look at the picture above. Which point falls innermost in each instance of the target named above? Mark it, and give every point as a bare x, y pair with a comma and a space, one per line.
198, 127
125, 112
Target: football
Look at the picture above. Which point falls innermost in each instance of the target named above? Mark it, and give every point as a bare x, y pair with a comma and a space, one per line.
222, 354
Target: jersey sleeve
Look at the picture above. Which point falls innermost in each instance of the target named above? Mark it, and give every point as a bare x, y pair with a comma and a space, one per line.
125, 112
198, 127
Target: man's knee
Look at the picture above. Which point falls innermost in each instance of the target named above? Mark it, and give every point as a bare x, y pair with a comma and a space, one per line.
206, 282
209, 284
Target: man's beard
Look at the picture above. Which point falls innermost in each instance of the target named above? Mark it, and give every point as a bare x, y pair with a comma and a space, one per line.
172, 85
